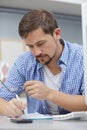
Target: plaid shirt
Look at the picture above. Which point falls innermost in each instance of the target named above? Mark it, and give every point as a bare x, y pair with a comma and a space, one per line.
26, 68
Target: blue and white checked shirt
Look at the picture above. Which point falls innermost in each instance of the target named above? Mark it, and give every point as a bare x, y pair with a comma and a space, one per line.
28, 68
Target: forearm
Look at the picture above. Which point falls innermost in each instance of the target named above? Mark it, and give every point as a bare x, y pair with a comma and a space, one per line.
67, 101
3, 104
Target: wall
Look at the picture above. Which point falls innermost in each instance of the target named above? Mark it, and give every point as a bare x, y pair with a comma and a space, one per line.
9, 20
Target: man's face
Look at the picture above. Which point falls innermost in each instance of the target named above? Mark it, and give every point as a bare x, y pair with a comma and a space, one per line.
42, 46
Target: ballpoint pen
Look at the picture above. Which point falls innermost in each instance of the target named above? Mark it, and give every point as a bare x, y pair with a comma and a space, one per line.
17, 97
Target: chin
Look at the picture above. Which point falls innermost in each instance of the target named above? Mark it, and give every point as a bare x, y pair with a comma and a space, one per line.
42, 62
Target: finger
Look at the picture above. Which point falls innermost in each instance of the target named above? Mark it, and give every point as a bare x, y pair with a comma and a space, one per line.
21, 105
34, 91
35, 95
31, 87
14, 104
16, 109
24, 105
30, 92
9, 111
30, 83
12, 112
17, 103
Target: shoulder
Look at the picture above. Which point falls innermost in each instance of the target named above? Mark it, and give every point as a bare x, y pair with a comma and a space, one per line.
75, 49
26, 56
25, 60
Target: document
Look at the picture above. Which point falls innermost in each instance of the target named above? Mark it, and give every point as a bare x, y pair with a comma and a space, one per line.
79, 115
36, 116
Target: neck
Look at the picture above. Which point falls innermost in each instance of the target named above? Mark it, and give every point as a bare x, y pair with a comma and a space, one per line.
57, 56
53, 66
55, 70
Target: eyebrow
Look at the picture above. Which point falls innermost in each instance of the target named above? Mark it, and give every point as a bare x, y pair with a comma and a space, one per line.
37, 42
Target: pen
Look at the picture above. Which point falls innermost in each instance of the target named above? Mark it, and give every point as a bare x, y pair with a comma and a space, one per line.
12, 89
17, 97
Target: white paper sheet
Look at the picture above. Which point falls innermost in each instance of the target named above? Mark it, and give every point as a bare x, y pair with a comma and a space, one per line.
36, 116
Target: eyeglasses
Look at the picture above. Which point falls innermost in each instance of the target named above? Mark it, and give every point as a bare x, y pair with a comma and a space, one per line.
13, 89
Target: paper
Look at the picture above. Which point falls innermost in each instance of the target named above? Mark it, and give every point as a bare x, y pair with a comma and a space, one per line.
79, 115
36, 116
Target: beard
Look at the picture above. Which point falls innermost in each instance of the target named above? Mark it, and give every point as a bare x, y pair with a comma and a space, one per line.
41, 58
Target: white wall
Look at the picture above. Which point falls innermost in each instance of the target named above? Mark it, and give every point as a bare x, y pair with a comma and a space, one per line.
10, 50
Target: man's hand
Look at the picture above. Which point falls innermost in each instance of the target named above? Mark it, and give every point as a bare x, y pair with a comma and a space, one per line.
14, 108
37, 89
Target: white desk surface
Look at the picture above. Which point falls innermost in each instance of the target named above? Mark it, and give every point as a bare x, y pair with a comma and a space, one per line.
5, 124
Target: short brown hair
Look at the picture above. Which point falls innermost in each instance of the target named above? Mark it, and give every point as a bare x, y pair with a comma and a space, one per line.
34, 19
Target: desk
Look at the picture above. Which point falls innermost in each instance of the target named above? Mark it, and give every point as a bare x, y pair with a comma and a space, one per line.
5, 124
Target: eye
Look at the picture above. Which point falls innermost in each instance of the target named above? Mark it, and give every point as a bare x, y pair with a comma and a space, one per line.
30, 46
41, 43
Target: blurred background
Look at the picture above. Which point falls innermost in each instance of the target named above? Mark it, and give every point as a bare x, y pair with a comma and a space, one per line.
68, 14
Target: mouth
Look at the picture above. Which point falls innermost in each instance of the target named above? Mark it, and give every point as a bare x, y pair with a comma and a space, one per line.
41, 59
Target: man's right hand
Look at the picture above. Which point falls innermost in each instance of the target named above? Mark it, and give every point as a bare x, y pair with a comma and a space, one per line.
15, 108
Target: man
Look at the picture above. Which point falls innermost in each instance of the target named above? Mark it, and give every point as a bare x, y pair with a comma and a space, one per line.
51, 73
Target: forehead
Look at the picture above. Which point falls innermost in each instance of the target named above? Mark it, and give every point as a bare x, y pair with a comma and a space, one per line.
35, 36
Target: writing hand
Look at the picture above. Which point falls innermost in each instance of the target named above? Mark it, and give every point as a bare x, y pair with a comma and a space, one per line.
15, 108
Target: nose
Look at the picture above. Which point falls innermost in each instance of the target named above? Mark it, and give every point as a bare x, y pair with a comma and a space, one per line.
36, 51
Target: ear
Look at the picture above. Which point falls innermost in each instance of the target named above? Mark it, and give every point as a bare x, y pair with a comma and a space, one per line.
57, 33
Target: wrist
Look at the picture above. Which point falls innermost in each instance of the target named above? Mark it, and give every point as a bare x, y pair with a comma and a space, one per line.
51, 94
3, 107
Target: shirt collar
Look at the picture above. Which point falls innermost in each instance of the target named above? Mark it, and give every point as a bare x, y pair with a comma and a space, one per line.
64, 57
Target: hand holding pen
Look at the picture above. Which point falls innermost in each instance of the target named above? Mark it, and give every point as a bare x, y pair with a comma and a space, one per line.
15, 107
